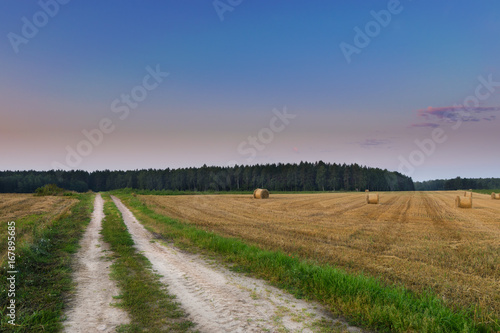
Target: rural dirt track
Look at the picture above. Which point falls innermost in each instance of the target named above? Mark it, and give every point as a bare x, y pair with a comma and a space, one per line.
90, 310
218, 300
419, 239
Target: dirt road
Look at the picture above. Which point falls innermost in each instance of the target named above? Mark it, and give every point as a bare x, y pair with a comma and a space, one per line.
219, 300
90, 310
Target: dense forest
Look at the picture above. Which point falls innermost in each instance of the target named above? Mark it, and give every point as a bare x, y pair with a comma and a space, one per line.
458, 184
305, 176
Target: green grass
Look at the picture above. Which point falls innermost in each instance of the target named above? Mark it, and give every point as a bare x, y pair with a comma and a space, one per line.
143, 296
49, 189
44, 272
26, 227
486, 191
363, 300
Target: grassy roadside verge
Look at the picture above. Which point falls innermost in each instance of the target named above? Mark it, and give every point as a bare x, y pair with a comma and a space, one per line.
365, 301
150, 306
44, 272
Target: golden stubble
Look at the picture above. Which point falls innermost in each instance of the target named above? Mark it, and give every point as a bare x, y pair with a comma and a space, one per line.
419, 239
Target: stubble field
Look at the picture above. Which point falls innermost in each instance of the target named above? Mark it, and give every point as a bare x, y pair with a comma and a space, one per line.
30, 213
418, 239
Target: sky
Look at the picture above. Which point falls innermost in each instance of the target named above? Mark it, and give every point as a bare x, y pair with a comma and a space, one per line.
409, 86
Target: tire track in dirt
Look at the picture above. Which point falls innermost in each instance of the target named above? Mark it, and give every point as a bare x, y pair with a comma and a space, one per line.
218, 300
90, 311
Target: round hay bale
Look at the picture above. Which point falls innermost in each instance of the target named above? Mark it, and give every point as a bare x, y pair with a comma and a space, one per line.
367, 190
261, 193
468, 194
495, 196
372, 198
463, 202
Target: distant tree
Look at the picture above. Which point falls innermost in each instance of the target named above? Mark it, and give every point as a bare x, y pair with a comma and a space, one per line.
49, 189
321, 178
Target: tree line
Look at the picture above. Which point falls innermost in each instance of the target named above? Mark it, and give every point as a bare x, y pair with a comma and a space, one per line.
458, 184
305, 176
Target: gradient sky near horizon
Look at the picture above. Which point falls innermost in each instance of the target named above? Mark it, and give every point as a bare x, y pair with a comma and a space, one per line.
227, 76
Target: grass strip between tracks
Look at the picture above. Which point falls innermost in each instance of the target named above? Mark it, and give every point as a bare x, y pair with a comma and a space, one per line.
363, 300
143, 296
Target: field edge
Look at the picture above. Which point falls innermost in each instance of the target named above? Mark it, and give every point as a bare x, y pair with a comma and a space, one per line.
363, 300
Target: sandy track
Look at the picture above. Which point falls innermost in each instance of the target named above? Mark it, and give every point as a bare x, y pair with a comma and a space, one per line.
91, 310
218, 300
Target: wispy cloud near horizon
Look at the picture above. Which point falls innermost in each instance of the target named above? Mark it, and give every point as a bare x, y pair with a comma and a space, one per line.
431, 125
367, 143
455, 113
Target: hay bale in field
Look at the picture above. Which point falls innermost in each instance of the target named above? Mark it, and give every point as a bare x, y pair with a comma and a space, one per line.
495, 196
372, 198
468, 194
367, 190
261, 193
463, 202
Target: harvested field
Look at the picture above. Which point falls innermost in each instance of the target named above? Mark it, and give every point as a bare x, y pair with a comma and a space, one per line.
419, 239
29, 213
17, 206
